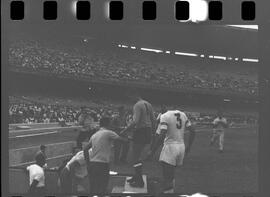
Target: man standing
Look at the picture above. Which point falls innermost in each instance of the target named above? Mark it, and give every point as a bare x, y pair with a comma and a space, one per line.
219, 126
98, 165
143, 126
41, 155
86, 121
171, 130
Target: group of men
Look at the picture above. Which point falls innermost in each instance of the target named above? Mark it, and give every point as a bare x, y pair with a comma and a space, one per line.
168, 129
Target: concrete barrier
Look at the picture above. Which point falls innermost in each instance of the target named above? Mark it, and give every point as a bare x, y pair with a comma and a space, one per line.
19, 182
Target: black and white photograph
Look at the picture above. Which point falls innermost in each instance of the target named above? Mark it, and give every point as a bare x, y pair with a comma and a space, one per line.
115, 108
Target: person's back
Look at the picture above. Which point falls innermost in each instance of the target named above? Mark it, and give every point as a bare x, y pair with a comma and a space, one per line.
143, 114
36, 180
36, 173
176, 122
102, 142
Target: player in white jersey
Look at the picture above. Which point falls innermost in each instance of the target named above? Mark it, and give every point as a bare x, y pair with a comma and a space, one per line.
219, 126
171, 130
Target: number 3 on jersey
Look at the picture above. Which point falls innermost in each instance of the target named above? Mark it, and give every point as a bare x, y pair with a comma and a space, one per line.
179, 121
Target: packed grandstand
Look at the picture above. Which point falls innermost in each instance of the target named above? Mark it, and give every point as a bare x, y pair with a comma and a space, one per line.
121, 65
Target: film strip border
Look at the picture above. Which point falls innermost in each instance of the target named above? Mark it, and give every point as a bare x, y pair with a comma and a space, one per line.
184, 10
145, 195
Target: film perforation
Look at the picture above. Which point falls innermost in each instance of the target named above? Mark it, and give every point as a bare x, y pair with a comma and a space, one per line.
149, 10
215, 10
50, 10
83, 10
182, 10
248, 10
17, 10
116, 10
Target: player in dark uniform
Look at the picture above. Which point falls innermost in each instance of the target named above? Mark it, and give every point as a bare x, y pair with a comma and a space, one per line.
41, 155
143, 126
85, 120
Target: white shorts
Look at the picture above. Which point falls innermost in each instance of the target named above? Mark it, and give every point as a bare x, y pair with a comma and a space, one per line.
173, 153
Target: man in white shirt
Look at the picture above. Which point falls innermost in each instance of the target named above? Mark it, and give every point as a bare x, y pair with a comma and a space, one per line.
219, 126
171, 129
75, 169
36, 178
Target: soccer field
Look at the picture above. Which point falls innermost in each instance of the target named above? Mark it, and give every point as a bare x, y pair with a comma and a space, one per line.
204, 170
207, 171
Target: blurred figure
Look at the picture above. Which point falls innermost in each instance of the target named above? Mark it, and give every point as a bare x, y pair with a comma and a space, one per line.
73, 173
86, 121
41, 155
219, 126
120, 148
37, 178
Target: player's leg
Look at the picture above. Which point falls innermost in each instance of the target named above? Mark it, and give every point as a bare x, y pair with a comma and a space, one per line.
124, 152
141, 138
65, 181
117, 150
213, 138
168, 177
221, 141
137, 180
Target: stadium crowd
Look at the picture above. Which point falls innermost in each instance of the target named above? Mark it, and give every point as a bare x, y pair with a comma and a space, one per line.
31, 110
32, 55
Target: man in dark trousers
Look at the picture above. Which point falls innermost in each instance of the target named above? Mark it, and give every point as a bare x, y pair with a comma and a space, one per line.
143, 126
98, 161
120, 148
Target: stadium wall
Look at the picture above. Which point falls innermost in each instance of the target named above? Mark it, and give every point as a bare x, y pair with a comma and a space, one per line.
26, 82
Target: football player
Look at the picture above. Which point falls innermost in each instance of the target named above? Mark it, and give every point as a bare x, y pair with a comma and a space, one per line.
219, 126
143, 127
170, 131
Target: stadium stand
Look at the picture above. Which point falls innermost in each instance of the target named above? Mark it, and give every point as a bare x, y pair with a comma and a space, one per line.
127, 66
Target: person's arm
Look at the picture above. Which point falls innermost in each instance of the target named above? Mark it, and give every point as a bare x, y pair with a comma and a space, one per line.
215, 123
86, 151
153, 119
115, 136
72, 167
159, 137
156, 143
191, 137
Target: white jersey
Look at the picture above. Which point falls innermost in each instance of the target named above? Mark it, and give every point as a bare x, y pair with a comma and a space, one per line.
36, 173
174, 122
80, 171
220, 124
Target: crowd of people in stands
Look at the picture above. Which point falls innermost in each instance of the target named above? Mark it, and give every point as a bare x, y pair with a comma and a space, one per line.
111, 65
29, 111
22, 111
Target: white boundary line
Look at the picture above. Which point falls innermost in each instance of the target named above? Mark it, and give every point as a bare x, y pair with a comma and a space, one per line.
30, 162
59, 143
36, 134
40, 129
